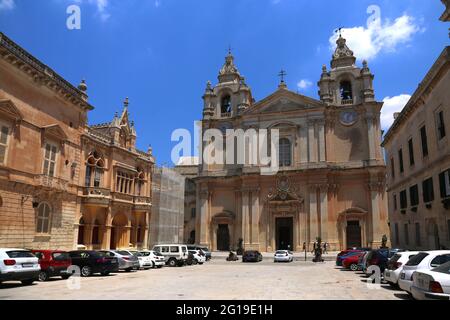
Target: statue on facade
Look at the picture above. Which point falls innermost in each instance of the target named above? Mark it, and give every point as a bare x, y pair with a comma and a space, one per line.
384, 242
240, 250
318, 250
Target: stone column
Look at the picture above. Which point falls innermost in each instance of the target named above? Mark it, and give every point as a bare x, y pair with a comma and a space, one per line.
371, 135
321, 140
303, 145
255, 220
88, 228
245, 219
204, 223
375, 237
324, 226
312, 141
313, 223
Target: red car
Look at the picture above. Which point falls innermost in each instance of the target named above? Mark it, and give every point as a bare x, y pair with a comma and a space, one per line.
53, 264
351, 262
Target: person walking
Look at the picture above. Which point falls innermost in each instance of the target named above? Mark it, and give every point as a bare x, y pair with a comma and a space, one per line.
325, 247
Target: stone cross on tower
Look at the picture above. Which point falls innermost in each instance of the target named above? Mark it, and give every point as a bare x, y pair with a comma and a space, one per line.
282, 75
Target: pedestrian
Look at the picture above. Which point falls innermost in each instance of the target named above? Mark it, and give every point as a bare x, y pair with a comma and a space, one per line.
325, 247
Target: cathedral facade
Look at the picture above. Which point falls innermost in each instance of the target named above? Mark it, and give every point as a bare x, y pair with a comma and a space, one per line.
331, 182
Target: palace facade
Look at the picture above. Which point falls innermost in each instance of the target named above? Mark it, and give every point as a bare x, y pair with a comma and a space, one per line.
63, 183
331, 183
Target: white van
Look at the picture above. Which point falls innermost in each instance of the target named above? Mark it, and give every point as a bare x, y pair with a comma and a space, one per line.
174, 254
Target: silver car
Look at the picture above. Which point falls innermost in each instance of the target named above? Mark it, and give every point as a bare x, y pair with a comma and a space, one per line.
127, 261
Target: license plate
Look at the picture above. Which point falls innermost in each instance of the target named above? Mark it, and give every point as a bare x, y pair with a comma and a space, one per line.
27, 265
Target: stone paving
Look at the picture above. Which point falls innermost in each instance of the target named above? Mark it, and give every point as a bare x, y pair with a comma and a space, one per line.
216, 280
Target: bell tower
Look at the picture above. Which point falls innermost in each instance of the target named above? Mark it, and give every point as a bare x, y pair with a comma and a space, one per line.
346, 84
230, 96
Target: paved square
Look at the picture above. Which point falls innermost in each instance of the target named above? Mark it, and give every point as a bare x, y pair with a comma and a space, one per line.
217, 279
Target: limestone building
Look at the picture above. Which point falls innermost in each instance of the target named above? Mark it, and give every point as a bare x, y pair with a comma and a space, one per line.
64, 183
332, 177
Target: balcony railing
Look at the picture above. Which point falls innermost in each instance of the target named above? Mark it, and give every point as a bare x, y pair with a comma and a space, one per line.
226, 115
347, 102
96, 192
142, 200
51, 182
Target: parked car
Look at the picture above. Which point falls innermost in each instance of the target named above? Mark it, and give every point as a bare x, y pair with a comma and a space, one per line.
340, 258
423, 261
432, 284
175, 254
157, 259
127, 261
379, 257
343, 253
53, 264
204, 249
351, 261
199, 256
283, 256
395, 266
19, 265
144, 261
252, 256
92, 262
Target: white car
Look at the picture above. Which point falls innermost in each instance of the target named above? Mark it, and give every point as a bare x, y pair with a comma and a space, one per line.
283, 256
395, 266
199, 256
156, 258
19, 265
432, 284
175, 254
425, 260
144, 261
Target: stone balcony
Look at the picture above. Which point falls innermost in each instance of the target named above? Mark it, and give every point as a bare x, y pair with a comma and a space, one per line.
51, 183
142, 203
96, 196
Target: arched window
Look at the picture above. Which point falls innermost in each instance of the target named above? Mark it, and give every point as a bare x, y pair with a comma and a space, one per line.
139, 182
285, 153
43, 218
81, 232
95, 167
346, 91
226, 105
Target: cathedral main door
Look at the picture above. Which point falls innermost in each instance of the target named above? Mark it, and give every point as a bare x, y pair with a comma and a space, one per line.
353, 234
285, 233
223, 238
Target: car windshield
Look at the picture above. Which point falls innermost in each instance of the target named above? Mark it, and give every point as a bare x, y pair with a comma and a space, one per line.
60, 256
145, 253
20, 254
395, 258
417, 259
444, 268
123, 253
158, 254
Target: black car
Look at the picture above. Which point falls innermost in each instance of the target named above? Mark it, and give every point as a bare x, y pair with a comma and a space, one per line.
252, 256
92, 262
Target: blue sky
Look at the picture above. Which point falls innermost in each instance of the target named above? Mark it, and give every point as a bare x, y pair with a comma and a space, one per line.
161, 53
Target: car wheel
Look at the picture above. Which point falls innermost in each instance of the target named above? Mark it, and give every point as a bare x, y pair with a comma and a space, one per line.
128, 269
195, 262
172, 263
27, 282
105, 273
43, 276
86, 271
65, 277
354, 267
159, 267
153, 265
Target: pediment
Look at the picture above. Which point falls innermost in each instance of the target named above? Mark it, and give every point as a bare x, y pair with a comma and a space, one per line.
55, 131
9, 109
284, 101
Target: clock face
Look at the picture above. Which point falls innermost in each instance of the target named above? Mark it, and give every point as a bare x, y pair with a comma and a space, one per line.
349, 118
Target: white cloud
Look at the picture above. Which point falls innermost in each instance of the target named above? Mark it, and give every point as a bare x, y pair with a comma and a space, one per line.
304, 84
378, 37
102, 6
7, 4
391, 106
